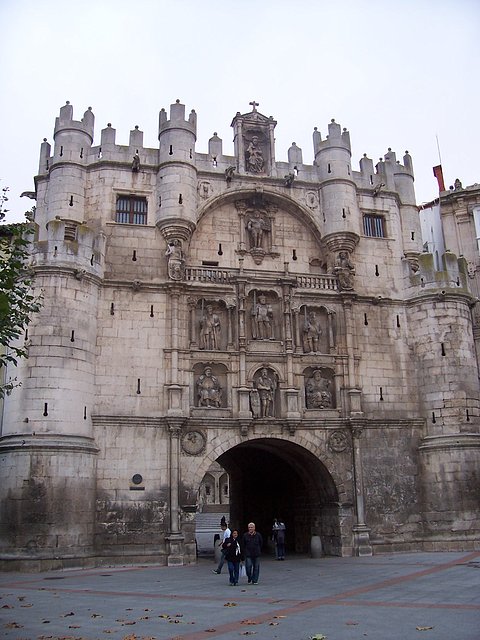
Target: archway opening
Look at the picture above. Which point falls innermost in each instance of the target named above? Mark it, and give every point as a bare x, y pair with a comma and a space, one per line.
273, 478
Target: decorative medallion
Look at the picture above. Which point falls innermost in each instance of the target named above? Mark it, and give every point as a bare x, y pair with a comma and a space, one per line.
193, 442
337, 441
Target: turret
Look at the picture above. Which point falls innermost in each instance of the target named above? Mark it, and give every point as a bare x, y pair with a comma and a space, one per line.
340, 214
399, 178
72, 143
177, 174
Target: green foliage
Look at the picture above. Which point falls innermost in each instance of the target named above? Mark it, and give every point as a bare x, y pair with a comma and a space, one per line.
17, 300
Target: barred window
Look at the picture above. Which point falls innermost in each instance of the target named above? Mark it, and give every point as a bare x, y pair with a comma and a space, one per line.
374, 226
131, 210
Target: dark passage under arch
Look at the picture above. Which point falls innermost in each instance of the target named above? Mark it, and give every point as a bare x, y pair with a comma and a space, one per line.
272, 478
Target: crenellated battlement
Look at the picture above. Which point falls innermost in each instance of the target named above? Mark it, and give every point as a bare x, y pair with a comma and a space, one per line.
177, 137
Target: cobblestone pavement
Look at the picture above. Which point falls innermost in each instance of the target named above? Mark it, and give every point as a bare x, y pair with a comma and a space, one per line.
424, 596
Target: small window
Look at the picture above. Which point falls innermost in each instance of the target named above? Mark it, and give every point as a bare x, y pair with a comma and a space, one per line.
476, 219
374, 226
131, 210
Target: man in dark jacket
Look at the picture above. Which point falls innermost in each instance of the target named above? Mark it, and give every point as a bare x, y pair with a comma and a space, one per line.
252, 549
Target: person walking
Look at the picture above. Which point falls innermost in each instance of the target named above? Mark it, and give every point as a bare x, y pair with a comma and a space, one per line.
252, 548
233, 556
226, 534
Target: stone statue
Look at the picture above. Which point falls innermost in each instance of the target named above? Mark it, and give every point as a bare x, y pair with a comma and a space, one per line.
317, 392
209, 329
229, 172
209, 389
344, 270
176, 260
136, 163
289, 178
262, 320
254, 157
266, 386
256, 226
311, 332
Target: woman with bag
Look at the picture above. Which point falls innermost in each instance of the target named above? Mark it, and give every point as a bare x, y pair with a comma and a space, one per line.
233, 556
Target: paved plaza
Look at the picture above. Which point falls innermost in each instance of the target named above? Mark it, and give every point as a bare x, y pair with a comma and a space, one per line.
424, 596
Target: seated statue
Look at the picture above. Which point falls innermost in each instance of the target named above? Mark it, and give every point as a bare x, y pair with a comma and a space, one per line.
208, 389
318, 393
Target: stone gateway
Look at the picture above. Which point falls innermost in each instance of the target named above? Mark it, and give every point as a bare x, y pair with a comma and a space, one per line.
277, 319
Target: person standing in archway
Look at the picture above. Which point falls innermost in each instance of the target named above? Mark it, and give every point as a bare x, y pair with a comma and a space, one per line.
278, 534
252, 549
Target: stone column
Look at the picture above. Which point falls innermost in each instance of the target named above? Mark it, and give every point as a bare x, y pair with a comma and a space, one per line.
192, 306
230, 307
174, 388
296, 320
175, 538
361, 533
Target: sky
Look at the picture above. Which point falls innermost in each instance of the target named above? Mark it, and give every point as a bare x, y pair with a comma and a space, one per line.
402, 75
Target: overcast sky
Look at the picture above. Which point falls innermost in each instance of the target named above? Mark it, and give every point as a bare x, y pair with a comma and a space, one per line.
401, 74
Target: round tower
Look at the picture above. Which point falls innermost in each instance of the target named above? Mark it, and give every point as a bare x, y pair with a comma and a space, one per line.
441, 336
177, 174
72, 144
411, 230
341, 219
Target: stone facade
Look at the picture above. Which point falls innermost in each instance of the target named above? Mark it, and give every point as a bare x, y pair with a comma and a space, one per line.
276, 318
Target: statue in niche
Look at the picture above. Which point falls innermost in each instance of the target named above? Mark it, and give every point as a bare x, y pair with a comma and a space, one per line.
344, 270
208, 389
257, 226
311, 332
136, 163
266, 386
254, 157
209, 329
176, 260
262, 320
318, 393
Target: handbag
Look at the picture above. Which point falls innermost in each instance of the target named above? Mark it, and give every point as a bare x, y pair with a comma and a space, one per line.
243, 571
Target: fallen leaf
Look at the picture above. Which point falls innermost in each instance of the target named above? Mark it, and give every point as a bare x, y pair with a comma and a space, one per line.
249, 633
13, 625
128, 622
7, 606
273, 624
65, 615
230, 604
25, 606
21, 598
45, 621
96, 615
210, 630
74, 626
248, 622
351, 622
423, 628
278, 617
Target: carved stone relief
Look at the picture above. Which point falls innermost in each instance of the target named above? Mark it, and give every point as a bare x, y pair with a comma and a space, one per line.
176, 260
193, 442
319, 390
204, 189
344, 269
254, 153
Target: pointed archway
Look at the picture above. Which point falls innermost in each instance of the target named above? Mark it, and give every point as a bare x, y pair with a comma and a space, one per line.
272, 478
